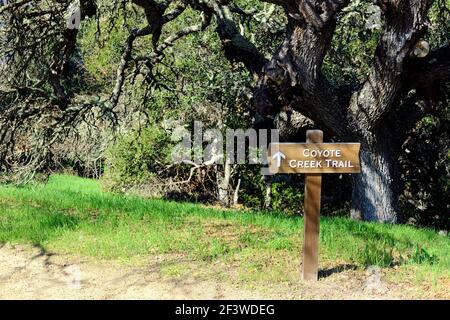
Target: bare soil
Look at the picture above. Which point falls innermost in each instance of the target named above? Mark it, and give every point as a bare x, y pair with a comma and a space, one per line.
28, 273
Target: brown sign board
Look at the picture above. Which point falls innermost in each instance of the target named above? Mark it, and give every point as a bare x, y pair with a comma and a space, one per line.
314, 158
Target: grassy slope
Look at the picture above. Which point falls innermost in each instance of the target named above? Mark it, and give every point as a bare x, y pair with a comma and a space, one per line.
72, 215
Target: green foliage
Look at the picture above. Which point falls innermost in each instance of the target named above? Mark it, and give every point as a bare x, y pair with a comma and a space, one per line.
425, 168
136, 156
352, 50
101, 50
358, 32
287, 197
439, 30
252, 188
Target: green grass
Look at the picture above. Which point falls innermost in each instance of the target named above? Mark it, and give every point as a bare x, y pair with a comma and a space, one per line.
73, 215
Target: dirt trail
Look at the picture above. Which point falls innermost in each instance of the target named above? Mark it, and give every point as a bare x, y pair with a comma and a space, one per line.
27, 273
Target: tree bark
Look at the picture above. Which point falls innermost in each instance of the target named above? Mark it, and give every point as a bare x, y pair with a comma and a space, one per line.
223, 184
376, 188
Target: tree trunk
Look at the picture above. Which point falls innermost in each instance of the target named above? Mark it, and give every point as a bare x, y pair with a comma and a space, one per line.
236, 193
223, 184
375, 189
268, 195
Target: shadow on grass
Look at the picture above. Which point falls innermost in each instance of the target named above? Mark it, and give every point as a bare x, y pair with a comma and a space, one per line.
328, 272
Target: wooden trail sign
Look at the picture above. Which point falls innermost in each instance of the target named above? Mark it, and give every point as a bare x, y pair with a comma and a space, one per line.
313, 158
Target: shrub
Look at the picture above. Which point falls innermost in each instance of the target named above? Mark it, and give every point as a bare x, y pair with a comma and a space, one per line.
136, 157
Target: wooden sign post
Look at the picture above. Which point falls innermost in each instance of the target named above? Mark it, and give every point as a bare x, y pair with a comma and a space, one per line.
313, 158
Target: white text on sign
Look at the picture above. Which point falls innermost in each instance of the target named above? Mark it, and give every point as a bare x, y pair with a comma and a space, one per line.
314, 158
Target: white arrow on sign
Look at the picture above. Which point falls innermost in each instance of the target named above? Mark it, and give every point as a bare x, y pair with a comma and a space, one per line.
278, 157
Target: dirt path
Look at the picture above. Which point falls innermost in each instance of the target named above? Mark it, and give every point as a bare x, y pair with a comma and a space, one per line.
27, 273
